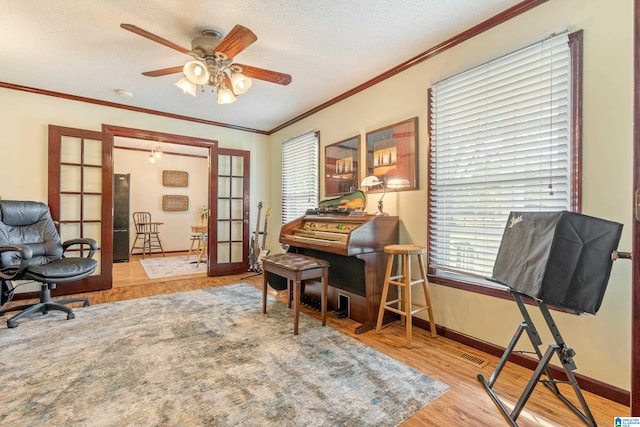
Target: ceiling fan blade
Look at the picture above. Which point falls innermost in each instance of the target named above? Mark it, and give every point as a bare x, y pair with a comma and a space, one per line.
238, 39
266, 75
163, 72
144, 33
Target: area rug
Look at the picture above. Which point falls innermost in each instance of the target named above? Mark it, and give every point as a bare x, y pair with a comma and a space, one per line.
199, 358
172, 266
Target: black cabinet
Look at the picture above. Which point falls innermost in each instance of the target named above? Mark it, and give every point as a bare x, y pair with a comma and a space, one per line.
121, 217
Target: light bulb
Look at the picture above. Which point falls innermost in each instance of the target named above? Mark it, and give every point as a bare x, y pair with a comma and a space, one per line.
240, 83
186, 86
225, 96
196, 72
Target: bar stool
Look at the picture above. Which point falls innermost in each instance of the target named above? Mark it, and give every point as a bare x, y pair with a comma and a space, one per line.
202, 252
403, 305
296, 268
198, 239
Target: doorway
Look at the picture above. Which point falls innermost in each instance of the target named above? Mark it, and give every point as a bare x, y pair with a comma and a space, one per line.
215, 265
95, 204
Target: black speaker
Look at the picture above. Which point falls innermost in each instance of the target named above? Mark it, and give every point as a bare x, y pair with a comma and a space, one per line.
562, 258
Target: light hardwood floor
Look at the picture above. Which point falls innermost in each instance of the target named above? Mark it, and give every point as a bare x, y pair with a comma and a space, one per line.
465, 404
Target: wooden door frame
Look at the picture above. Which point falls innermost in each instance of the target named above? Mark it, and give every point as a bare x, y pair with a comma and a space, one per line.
109, 132
635, 307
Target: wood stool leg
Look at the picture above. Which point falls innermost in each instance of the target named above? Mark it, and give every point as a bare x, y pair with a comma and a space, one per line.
193, 241
407, 289
385, 291
296, 305
202, 246
402, 295
427, 298
323, 297
264, 292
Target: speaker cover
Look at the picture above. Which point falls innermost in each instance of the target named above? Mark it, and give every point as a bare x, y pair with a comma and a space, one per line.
562, 258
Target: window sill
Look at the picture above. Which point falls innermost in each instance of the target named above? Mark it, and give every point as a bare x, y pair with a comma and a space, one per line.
471, 284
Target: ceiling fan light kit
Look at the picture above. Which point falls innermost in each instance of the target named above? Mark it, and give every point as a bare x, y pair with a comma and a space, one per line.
225, 96
212, 63
196, 72
186, 86
240, 83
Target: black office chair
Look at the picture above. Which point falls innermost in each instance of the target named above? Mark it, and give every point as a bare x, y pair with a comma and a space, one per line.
30, 249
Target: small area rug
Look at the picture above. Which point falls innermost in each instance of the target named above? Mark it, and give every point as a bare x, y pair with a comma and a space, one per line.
172, 266
199, 358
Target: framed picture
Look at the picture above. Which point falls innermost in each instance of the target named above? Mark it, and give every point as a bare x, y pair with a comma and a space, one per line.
341, 166
392, 155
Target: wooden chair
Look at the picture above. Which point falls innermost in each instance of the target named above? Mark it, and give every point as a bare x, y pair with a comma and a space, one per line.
147, 232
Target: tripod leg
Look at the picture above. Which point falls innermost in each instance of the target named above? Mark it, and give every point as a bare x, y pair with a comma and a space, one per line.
526, 393
565, 354
505, 356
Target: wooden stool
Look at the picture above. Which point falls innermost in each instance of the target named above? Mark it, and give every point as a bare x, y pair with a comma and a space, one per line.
202, 251
404, 307
198, 237
296, 268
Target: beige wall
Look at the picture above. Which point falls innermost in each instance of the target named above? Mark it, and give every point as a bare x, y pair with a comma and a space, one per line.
602, 342
23, 140
146, 191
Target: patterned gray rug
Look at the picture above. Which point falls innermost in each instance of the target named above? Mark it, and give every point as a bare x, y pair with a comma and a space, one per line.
207, 357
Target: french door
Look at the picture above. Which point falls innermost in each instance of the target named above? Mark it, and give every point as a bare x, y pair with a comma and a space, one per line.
228, 246
79, 197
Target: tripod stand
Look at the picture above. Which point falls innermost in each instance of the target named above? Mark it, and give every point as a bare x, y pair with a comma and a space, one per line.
564, 353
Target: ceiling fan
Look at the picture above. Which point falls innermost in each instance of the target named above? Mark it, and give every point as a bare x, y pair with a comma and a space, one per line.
212, 63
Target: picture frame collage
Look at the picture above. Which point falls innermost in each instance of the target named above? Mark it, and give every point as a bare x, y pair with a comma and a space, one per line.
391, 156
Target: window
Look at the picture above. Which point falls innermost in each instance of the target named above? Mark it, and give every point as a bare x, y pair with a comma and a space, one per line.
300, 175
504, 137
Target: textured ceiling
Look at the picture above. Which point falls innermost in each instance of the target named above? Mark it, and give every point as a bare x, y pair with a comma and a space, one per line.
328, 46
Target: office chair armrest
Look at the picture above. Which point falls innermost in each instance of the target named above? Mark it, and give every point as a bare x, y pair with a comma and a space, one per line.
93, 245
15, 271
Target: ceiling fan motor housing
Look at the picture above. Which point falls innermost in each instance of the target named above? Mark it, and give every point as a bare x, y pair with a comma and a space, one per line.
207, 42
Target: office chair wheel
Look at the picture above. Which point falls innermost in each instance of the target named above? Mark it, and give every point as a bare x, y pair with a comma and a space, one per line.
71, 316
85, 304
12, 324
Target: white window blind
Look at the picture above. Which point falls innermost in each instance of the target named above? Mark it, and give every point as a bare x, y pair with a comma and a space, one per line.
500, 142
300, 175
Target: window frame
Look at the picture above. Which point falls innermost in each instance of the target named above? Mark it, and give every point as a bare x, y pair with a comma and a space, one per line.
478, 284
285, 218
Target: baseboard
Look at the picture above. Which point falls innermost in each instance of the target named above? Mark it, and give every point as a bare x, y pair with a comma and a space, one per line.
594, 386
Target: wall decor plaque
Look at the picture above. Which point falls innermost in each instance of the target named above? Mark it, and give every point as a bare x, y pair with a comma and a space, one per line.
175, 203
175, 178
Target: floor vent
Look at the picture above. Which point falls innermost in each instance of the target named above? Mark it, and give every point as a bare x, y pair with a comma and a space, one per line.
465, 356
